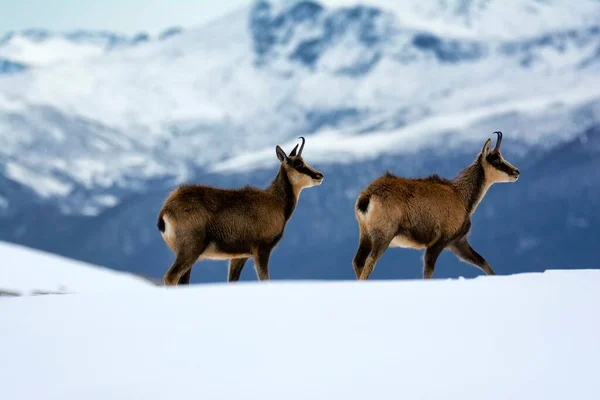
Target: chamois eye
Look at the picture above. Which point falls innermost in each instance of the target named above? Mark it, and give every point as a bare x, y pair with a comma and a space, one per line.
298, 163
494, 159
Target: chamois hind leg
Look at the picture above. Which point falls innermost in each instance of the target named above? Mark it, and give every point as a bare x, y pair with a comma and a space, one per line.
379, 243
261, 263
186, 277
189, 248
465, 252
431, 255
364, 248
235, 269
182, 264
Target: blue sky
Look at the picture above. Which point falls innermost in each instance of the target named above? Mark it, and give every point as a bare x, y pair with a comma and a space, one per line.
127, 16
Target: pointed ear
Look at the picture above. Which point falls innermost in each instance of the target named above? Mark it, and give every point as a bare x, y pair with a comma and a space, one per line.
280, 153
293, 152
486, 147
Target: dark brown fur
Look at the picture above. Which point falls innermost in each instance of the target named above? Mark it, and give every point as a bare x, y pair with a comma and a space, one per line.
429, 213
232, 224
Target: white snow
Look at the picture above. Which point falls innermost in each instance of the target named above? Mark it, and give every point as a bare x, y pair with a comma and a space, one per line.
428, 132
530, 336
46, 52
45, 186
106, 200
25, 271
490, 19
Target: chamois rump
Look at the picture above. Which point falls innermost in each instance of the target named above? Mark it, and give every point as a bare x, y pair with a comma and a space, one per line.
202, 222
432, 213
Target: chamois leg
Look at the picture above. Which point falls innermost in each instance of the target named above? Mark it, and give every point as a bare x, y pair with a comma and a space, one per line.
188, 251
261, 263
465, 252
431, 255
364, 248
235, 269
379, 243
186, 277
183, 263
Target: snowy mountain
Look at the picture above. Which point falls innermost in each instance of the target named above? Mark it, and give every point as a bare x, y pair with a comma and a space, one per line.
527, 336
25, 271
487, 19
37, 47
89, 148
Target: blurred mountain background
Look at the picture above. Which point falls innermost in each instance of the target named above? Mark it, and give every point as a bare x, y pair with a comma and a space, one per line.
96, 127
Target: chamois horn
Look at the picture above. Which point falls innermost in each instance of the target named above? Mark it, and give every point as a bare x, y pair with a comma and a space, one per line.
302, 146
499, 140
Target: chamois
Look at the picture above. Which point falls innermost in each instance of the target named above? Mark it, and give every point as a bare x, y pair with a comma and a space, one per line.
432, 213
202, 222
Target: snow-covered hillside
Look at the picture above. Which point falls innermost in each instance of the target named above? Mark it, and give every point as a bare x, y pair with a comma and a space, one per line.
529, 336
26, 271
37, 47
489, 19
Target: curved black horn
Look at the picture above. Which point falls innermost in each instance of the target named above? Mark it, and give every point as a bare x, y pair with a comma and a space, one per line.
499, 139
302, 146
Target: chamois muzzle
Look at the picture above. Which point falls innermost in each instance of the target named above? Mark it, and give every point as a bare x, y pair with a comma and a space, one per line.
515, 174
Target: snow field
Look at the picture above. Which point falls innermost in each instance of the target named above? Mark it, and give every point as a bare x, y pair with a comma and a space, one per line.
529, 336
25, 271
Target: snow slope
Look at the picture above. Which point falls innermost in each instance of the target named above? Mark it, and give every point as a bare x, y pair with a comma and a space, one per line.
26, 271
497, 19
38, 47
529, 336
56, 49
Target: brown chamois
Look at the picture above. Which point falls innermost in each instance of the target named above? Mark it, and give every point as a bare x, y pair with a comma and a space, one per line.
431, 213
202, 222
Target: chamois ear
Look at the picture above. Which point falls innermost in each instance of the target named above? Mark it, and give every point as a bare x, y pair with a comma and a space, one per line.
280, 153
293, 152
486, 147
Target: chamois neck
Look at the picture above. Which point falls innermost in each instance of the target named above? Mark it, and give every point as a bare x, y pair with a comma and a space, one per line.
471, 185
283, 190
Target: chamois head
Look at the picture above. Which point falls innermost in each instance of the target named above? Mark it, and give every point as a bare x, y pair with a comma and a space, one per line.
497, 169
301, 174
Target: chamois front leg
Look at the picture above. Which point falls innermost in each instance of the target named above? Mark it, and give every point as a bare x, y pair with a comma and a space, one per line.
431, 255
261, 263
464, 251
235, 269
